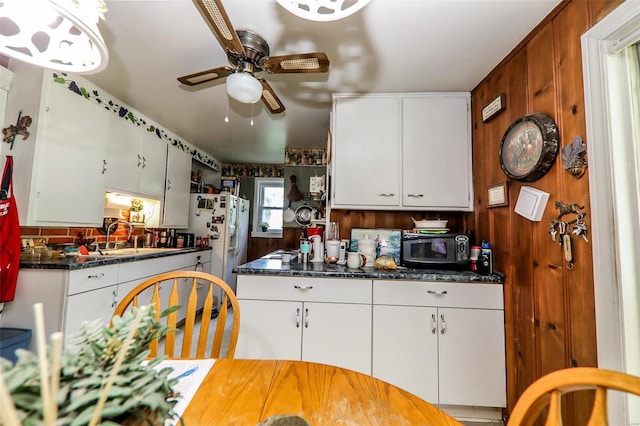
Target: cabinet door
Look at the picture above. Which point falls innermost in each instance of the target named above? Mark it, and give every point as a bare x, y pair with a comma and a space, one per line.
89, 306
337, 334
405, 348
177, 184
153, 166
366, 156
123, 155
436, 152
269, 330
472, 359
69, 160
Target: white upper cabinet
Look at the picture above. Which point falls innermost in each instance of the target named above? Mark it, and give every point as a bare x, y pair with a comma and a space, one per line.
366, 154
436, 152
59, 170
177, 189
402, 152
136, 159
79, 147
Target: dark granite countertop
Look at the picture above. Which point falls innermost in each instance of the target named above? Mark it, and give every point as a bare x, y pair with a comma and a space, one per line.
82, 262
272, 265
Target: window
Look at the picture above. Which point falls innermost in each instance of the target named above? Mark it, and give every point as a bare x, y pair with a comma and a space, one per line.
268, 207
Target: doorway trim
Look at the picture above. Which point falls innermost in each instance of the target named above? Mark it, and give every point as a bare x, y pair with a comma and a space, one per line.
612, 183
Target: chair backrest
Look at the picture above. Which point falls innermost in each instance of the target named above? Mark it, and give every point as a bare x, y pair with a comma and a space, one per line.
187, 289
548, 390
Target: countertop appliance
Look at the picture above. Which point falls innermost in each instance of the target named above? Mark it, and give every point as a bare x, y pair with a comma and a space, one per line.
435, 250
224, 219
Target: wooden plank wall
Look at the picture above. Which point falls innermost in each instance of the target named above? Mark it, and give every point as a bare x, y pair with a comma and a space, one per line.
355, 219
549, 309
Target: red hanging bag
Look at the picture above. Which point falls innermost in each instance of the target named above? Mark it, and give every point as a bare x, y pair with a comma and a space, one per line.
9, 235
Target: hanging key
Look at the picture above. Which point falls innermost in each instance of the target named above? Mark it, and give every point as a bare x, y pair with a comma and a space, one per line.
567, 250
553, 230
580, 228
562, 229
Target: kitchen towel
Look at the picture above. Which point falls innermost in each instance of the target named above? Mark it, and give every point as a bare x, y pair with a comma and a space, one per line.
9, 235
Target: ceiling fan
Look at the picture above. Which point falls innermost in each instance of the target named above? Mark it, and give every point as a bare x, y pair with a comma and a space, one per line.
248, 54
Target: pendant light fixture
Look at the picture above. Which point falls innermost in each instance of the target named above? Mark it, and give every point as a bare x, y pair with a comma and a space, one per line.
323, 10
58, 34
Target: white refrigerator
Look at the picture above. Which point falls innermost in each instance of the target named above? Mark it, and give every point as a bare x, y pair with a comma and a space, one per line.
224, 218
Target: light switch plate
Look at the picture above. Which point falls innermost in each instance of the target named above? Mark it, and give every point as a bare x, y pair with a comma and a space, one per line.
531, 203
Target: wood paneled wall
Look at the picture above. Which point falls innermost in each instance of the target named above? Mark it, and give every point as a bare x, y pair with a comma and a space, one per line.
355, 219
549, 308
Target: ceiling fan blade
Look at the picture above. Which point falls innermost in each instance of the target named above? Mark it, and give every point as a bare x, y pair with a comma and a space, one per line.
270, 98
217, 18
204, 76
304, 62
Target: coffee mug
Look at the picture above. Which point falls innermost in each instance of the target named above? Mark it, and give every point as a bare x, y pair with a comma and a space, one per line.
355, 260
286, 257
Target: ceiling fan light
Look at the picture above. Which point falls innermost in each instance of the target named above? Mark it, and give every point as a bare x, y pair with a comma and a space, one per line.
323, 10
57, 34
243, 87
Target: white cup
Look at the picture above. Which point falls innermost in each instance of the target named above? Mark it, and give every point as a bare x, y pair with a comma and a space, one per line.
286, 257
355, 260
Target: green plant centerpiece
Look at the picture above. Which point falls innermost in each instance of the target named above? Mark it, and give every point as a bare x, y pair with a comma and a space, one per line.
139, 394
264, 226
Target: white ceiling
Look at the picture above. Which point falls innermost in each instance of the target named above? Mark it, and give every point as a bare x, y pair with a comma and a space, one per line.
389, 46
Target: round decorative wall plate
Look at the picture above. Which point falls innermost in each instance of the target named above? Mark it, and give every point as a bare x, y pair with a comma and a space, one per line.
529, 147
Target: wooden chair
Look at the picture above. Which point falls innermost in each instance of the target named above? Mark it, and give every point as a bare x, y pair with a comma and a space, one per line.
184, 291
549, 389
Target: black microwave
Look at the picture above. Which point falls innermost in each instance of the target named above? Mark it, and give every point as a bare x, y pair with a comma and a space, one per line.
443, 251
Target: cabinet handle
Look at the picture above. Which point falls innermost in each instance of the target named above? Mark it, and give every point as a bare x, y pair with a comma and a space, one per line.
304, 287
415, 195
434, 324
139, 160
114, 303
443, 324
384, 194
100, 275
144, 162
104, 166
298, 318
306, 318
168, 183
439, 292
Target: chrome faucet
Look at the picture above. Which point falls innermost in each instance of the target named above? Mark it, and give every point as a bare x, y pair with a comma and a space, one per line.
106, 245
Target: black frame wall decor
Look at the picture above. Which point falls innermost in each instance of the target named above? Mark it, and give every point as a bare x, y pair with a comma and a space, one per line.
529, 147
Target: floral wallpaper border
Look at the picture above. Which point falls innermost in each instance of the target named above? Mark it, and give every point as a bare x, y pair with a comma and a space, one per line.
252, 170
305, 157
125, 113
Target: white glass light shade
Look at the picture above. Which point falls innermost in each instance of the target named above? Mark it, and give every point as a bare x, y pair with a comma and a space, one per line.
323, 10
59, 34
244, 87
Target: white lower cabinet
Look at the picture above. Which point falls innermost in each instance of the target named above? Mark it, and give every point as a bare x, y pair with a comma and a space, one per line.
444, 342
72, 297
323, 320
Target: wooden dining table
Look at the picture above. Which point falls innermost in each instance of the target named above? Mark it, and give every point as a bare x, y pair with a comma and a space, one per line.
247, 392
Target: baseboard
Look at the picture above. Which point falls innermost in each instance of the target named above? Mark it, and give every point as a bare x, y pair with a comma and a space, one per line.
473, 414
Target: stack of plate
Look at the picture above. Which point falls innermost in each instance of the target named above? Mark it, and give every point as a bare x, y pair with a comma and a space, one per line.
434, 226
